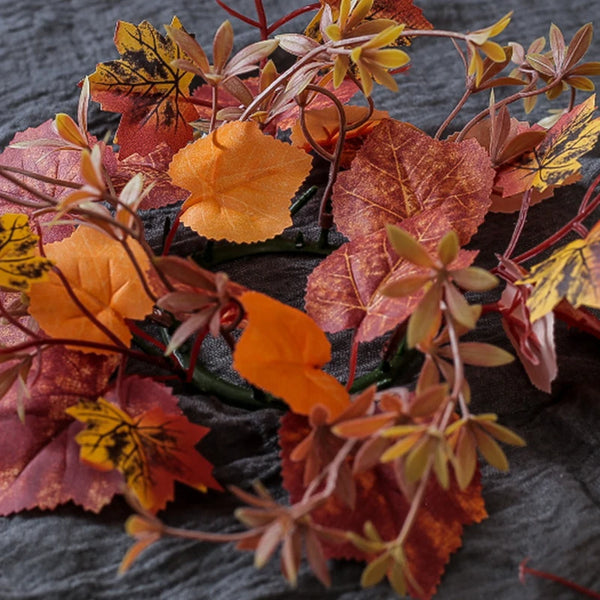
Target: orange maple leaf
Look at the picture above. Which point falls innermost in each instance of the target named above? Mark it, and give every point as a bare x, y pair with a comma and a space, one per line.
152, 446
324, 126
105, 282
282, 350
241, 182
152, 95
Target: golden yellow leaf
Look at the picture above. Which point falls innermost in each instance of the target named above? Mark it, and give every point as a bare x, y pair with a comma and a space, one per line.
282, 350
555, 160
103, 279
19, 263
241, 182
151, 450
572, 273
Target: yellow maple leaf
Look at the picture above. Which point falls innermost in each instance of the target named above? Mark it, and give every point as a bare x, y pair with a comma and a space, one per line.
572, 273
282, 350
555, 161
19, 263
103, 278
152, 95
241, 182
151, 450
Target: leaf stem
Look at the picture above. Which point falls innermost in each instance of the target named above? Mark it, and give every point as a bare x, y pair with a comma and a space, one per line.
525, 570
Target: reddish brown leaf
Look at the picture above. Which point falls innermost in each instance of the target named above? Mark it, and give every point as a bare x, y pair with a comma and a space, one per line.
59, 163
344, 291
400, 172
154, 168
39, 464
435, 535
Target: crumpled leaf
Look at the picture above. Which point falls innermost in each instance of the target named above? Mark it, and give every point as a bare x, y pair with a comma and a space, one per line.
153, 167
439, 524
144, 435
555, 161
60, 163
283, 351
19, 263
571, 272
241, 182
345, 290
401, 171
105, 282
152, 96
39, 464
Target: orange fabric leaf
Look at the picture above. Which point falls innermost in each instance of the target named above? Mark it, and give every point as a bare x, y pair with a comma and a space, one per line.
151, 446
105, 282
241, 182
282, 351
324, 126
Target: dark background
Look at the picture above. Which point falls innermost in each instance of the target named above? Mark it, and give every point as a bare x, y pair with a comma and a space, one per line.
546, 508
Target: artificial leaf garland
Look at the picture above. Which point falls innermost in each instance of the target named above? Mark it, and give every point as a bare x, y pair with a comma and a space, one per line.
407, 203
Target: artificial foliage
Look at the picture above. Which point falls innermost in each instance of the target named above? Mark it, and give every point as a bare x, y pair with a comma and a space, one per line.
101, 328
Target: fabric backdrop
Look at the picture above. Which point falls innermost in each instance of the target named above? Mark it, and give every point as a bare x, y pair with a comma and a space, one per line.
546, 508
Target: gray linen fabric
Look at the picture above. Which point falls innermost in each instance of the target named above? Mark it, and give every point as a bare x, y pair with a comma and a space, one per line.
546, 508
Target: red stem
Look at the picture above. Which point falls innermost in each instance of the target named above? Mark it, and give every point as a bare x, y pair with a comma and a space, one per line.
238, 15
152, 340
262, 19
171, 235
195, 353
525, 570
562, 231
353, 361
295, 13
525, 204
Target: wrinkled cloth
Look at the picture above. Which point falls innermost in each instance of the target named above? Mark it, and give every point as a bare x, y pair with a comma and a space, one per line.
546, 508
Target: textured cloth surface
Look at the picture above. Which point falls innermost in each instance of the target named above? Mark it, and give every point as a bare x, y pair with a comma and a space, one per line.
546, 508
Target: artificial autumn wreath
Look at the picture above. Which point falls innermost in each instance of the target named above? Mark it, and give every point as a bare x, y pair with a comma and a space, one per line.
374, 471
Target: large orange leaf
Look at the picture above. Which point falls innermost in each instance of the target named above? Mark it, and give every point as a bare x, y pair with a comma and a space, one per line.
105, 282
555, 160
401, 171
39, 464
143, 434
241, 183
283, 351
344, 291
152, 96
438, 527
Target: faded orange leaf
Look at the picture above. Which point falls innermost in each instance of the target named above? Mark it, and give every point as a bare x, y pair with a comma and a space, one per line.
240, 183
435, 534
283, 351
103, 278
324, 126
